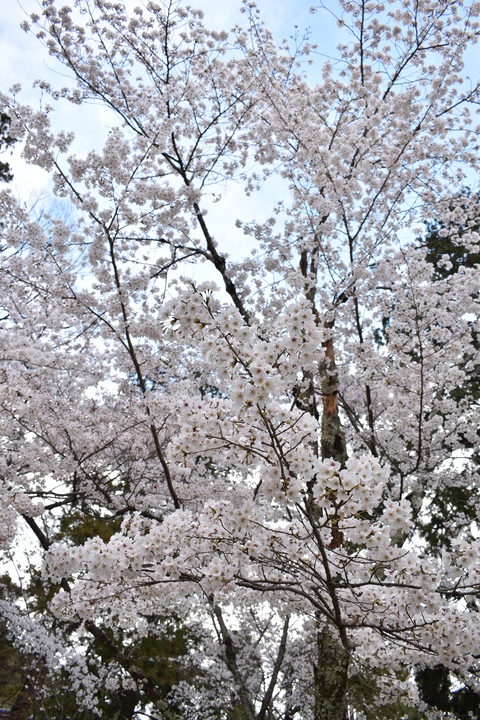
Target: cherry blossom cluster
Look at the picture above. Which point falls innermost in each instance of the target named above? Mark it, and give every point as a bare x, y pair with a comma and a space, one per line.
274, 453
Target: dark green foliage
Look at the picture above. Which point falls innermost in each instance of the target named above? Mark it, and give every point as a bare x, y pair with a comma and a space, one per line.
10, 671
381, 334
79, 527
447, 502
24, 676
451, 501
436, 690
155, 656
447, 256
5, 141
364, 687
471, 388
434, 686
439, 246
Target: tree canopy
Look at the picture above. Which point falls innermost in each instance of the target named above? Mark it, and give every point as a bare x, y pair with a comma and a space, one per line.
242, 444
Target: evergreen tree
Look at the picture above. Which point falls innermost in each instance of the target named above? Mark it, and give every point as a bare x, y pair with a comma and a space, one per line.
6, 141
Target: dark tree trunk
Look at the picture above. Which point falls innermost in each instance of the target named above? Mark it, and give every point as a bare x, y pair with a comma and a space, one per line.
22, 708
331, 667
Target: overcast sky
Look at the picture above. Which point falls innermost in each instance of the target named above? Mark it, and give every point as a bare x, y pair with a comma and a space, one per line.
24, 60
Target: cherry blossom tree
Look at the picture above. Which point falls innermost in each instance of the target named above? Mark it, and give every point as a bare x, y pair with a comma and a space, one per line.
244, 450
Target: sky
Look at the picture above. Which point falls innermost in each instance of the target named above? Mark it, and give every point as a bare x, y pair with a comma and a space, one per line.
24, 60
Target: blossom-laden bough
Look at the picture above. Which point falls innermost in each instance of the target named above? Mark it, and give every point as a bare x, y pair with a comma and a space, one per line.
246, 451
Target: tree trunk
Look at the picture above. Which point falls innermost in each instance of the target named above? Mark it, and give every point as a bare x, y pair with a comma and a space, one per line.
128, 703
333, 439
23, 705
330, 677
331, 667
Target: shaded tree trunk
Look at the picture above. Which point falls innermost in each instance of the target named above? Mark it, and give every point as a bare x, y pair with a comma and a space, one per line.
128, 703
331, 667
23, 706
330, 677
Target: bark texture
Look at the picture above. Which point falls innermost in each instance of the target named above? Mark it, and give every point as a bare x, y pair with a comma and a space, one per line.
330, 677
331, 668
23, 705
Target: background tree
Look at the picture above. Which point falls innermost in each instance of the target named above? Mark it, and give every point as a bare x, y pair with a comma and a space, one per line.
5, 141
245, 457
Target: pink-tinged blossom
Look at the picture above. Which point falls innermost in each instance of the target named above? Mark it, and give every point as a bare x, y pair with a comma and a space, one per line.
251, 452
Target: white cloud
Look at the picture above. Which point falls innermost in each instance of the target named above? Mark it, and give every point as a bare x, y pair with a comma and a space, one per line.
25, 59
